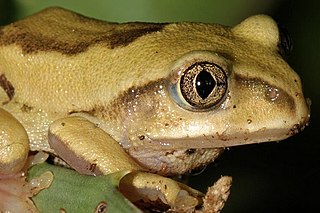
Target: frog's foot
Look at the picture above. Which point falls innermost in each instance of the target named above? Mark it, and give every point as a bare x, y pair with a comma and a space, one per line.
16, 192
153, 192
217, 195
15, 195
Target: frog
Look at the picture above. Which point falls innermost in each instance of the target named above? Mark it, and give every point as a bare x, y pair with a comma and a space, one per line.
166, 98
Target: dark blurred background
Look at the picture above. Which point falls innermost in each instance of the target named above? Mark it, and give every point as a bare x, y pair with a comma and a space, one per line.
269, 177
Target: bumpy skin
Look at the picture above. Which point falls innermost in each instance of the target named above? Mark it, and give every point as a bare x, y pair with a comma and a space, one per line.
123, 78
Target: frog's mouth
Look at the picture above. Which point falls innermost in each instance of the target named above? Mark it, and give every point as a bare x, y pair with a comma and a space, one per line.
219, 140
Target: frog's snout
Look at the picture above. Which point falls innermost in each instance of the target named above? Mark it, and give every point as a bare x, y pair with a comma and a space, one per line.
304, 119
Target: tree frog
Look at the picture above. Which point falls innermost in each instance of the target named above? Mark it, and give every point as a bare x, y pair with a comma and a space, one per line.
164, 98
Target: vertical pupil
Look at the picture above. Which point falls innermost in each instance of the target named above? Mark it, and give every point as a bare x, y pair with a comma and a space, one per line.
205, 83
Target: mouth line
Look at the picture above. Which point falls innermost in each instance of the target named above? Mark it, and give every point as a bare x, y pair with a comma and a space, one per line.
219, 140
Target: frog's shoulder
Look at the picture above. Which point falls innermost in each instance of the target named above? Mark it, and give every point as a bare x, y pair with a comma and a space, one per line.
58, 29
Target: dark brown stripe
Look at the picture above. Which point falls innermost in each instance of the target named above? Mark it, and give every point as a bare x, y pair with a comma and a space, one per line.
124, 101
123, 38
72, 37
7, 86
283, 98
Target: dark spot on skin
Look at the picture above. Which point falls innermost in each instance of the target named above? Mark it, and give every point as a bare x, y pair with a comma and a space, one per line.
222, 137
63, 124
190, 151
102, 207
7, 86
169, 152
296, 129
72, 37
93, 167
234, 106
249, 121
26, 108
166, 124
141, 137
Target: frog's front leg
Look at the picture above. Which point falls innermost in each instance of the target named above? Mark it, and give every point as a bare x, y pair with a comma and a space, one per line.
14, 144
90, 150
87, 148
15, 192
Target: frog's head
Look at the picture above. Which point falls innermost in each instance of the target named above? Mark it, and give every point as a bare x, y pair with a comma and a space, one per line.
219, 87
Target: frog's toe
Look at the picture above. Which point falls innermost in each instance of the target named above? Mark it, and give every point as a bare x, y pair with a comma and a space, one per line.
217, 195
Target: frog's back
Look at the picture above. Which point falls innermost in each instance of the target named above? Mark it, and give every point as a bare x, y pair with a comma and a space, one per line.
57, 29
57, 62
60, 61
45, 60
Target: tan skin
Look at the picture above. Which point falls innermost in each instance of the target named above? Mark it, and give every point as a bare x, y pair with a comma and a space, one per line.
135, 86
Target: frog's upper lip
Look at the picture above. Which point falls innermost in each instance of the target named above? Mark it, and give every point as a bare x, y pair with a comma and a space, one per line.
225, 140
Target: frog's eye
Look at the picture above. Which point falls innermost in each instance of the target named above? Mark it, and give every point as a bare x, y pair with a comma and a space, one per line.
285, 42
203, 85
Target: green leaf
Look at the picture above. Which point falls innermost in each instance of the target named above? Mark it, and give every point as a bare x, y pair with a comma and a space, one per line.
73, 192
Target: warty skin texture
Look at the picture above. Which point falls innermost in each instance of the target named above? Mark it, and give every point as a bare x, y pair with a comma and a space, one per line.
123, 78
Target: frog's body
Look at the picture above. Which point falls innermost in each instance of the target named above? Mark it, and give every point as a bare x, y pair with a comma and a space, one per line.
126, 79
